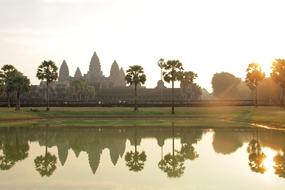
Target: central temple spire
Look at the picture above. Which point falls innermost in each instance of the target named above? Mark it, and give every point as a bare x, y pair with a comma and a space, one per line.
95, 66
95, 74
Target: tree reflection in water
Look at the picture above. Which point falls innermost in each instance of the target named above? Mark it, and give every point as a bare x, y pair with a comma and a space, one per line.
172, 164
279, 167
256, 157
46, 164
14, 147
5, 163
135, 160
12, 153
188, 152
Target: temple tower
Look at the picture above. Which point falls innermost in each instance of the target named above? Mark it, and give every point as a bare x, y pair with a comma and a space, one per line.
122, 78
78, 74
95, 74
114, 78
63, 72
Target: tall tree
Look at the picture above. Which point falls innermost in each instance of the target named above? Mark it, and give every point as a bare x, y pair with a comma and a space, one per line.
172, 72
225, 85
47, 71
254, 75
278, 75
18, 84
1, 82
80, 90
160, 63
6, 73
187, 79
135, 76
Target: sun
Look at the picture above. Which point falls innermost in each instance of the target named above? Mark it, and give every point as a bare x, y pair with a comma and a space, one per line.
266, 67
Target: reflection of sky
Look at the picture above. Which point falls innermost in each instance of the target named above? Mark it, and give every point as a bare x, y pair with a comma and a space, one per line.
210, 171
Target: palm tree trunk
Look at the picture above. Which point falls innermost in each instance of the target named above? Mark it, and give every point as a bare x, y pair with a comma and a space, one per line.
18, 101
172, 94
136, 106
47, 96
256, 96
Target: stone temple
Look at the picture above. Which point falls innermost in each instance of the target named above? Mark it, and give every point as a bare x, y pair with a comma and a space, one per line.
108, 90
94, 76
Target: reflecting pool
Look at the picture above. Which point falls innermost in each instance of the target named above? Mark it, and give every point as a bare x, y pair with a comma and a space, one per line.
145, 158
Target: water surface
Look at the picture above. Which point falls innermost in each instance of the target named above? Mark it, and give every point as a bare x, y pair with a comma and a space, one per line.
141, 158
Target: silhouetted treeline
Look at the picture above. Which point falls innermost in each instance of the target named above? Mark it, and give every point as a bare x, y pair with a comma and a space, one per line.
226, 86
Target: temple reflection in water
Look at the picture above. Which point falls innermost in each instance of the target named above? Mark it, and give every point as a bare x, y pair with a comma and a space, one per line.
14, 146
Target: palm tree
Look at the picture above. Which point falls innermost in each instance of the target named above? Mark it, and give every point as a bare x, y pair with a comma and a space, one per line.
80, 90
135, 160
278, 75
7, 70
160, 63
47, 71
173, 72
253, 77
135, 76
76, 89
18, 83
187, 79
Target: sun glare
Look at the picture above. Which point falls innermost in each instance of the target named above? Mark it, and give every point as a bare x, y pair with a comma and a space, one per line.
269, 161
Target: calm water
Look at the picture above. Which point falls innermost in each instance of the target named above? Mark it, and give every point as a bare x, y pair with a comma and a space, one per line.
141, 158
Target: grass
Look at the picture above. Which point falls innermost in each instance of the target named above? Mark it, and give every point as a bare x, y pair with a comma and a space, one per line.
157, 116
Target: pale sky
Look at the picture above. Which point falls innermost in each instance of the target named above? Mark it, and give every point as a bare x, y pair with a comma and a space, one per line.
207, 36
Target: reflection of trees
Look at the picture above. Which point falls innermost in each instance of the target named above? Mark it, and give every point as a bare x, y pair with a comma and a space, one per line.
46, 164
279, 167
188, 152
135, 160
226, 141
256, 157
12, 153
5, 163
172, 164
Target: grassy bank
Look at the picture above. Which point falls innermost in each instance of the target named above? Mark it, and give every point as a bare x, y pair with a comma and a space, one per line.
118, 116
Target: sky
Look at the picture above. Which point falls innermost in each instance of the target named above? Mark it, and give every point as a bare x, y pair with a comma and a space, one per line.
207, 36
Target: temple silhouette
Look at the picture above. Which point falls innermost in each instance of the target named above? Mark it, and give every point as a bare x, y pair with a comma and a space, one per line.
109, 90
